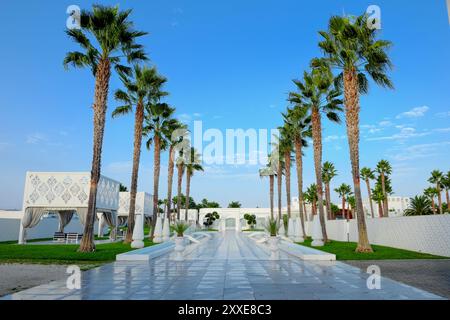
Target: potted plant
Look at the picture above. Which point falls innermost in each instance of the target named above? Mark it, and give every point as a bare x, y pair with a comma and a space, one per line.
251, 220
272, 227
179, 228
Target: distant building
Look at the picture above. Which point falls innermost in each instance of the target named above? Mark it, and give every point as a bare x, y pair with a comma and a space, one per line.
397, 205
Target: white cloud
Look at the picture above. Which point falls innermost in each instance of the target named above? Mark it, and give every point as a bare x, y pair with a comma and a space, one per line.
419, 151
443, 114
405, 133
36, 138
442, 130
414, 113
185, 117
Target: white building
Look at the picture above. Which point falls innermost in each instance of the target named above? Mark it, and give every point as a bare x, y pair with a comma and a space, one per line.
397, 205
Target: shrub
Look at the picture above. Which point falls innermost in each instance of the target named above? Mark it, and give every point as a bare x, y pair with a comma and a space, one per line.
179, 228
210, 218
251, 220
272, 227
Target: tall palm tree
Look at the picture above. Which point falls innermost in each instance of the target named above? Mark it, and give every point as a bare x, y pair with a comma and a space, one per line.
144, 84
446, 184
419, 206
384, 169
180, 162
286, 147
344, 191
351, 47
193, 164
318, 92
269, 171
278, 161
178, 132
158, 121
368, 174
299, 122
437, 177
431, 194
328, 173
115, 38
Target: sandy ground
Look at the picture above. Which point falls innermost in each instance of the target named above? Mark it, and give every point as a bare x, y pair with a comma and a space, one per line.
16, 277
429, 275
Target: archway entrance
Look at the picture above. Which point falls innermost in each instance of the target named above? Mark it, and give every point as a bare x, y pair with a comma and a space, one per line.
230, 223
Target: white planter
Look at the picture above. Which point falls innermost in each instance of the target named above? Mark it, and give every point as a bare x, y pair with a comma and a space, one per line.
157, 236
317, 235
298, 231
138, 232
166, 230
179, 248
273, 247
282, 231
291, 230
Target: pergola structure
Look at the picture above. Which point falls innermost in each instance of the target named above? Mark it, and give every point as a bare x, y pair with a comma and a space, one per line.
66, 193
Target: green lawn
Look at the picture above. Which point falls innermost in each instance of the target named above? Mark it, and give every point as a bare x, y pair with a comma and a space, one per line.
346, 251
62, 253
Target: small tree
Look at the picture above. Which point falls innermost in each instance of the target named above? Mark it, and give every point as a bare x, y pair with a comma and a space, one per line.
251, 220
234, 204
210, 218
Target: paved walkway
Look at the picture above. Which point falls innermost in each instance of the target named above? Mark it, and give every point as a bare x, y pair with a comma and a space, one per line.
228, 266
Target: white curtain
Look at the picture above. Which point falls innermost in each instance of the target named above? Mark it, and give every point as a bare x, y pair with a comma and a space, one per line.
65, 216
32, 216
82, 213
110, 219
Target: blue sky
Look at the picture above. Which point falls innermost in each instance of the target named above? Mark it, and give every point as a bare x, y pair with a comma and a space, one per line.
229, 64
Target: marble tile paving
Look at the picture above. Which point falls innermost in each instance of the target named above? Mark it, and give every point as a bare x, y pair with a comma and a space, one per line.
231, 267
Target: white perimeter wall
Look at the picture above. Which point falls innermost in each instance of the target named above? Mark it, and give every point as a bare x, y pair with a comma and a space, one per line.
9, 227
428, 234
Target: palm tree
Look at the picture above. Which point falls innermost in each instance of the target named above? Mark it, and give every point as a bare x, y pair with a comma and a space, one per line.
145, 83
115, 38
431, 194
328, 173
437, 177
368, 174
446, 184
351, 205
286, 147
158, 122
177, 132
419, 206
311, 197
318, 92
300, 123
180, 163
378, 197
193, 164
344, 190
351, 47
278, 161
384, 169
269, 171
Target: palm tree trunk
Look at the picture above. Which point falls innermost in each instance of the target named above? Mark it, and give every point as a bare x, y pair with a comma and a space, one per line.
138, 123
279, 185
170, 181
328, 200
380, 209
156, 169
188, 190
317, 143
299, 167
102, 77
287, 161
370, 197
351, 88
306, 212
180, 180
448, 199
438, 188
343, 207
433, 205
271, 179
385, 198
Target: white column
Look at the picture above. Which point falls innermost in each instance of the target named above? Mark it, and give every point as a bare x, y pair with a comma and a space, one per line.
298, 234
291, 230
22, 233
100, 225
138, 232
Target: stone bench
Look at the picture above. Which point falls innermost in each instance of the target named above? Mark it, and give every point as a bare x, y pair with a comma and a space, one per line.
146, 253
306, 253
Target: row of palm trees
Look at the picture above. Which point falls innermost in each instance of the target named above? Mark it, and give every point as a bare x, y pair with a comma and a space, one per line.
441, 183
108, 43
351, 55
